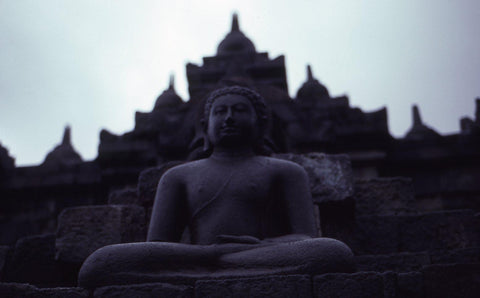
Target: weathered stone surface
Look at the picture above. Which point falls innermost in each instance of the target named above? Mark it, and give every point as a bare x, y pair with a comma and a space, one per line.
82, 230
401, 262
356, 285
148, 181
331, 176
384, 196
33, 261
409, 285
440, 230
413, 233
464, 255
452, 280
15, 290
5, 252
270, 286
127, 196
144, 290
372, 235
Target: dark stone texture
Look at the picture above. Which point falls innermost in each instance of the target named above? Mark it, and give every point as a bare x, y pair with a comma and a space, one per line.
82, 230
127, 196
452, 280
5, 254
464, 255
15, 290
331, 176
400, 262
373, 235
33, 261
152, 290
270, 286
384, 196
409, 285
440, 230
356, 285
443, 230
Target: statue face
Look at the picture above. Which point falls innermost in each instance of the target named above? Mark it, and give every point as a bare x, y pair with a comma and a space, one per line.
232, 121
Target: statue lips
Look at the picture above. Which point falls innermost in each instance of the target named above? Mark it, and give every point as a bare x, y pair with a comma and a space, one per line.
229, 129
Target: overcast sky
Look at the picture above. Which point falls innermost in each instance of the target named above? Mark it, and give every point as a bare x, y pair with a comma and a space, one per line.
92, 64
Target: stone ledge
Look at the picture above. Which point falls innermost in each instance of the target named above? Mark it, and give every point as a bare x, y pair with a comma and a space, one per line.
401, 262
144, 290
15, 290
442, 230
452, 280
269, 286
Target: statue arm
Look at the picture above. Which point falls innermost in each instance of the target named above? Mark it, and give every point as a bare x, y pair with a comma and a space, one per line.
168, 218
298, 201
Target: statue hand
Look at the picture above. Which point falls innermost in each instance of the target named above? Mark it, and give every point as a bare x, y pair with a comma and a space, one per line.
237, 239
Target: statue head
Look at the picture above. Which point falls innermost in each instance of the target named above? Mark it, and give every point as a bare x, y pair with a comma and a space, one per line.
235, 116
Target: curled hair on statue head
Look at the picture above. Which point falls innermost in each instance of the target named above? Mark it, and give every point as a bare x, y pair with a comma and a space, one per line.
258, 104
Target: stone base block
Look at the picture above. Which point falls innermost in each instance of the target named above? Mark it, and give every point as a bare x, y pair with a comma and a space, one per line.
127, 196
82, 230
144, 290
269, 286
384, 196
443, 230
356, 285
401, 262
15, 290
452, 280
331, 176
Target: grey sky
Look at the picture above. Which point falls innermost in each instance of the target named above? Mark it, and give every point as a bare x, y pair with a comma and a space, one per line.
92, 64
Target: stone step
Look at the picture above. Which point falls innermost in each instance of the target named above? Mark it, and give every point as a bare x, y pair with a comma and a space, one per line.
82, 230
370, 235
15, 290
408, 261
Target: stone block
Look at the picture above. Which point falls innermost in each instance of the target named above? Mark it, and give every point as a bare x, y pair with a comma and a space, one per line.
33, 261
127, 196
5, 253
440, 230
372, 235
355, 285
464, 255
384, 196
331, 176
400, 262
269, 286
15, 290
148, 182
82, 230
409, 285
152, 290
443, 230
452, 280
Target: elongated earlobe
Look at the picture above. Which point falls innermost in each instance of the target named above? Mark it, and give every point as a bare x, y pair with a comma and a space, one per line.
207, 146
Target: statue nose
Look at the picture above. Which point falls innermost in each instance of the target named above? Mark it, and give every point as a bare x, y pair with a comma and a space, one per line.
229, 116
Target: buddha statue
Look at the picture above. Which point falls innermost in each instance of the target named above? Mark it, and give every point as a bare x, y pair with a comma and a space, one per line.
247, 214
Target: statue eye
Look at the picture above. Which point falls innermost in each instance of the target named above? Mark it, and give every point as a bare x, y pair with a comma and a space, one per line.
219, 110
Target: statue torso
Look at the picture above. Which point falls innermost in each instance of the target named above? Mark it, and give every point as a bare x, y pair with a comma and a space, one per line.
229, 197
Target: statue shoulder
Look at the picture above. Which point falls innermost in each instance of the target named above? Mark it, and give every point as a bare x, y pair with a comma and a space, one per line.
183, 171
284, 167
